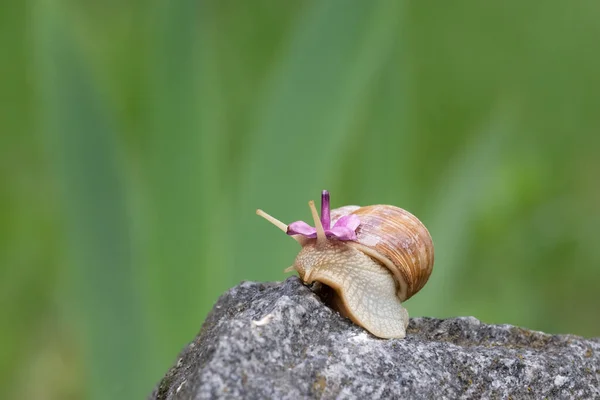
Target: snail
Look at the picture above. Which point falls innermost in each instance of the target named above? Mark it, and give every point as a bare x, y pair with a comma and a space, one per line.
374, 258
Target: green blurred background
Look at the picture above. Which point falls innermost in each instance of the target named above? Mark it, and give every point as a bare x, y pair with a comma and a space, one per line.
138, 138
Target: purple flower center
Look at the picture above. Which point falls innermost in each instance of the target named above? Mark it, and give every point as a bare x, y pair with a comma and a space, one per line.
343, 229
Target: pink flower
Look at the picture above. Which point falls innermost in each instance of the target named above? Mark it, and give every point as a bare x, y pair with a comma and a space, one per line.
343, 229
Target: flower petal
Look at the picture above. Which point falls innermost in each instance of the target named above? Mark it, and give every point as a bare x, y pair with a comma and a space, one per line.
350, 221
301, 228
341, 233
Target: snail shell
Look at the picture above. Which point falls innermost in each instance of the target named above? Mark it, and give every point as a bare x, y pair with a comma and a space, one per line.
398, 240
389, 260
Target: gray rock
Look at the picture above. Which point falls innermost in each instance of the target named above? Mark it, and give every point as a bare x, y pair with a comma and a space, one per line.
279, 341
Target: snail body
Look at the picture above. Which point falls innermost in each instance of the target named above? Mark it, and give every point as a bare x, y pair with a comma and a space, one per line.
374, 258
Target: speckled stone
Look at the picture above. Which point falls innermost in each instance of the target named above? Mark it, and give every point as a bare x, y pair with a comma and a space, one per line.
279, 341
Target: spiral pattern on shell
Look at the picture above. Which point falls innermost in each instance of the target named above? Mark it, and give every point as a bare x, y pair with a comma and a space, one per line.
398, 240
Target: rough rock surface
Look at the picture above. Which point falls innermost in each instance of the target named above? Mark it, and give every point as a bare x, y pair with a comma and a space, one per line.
279, 341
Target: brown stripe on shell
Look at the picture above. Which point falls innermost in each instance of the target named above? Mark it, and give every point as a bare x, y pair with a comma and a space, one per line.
397, 238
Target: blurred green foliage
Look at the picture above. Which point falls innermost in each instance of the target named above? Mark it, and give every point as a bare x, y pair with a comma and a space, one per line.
139, 137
